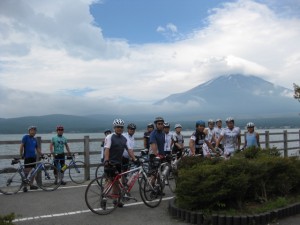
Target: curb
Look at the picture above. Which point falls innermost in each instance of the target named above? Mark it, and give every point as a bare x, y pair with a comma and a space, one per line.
216, 219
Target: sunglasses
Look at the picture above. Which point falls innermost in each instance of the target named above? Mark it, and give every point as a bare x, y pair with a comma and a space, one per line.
119, 127
160, 123
60, 129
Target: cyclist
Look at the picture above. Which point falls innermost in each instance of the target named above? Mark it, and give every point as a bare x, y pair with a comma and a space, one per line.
199, 139
150, 128
57, 146
168, 138
157, 137
106, 132
130, 142
218, 130
251, 137
231, 136
28, 149
114, 146
177, 140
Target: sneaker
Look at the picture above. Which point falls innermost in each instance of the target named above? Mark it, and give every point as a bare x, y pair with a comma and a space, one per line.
119, 204
63, 182
32, 187
25, 189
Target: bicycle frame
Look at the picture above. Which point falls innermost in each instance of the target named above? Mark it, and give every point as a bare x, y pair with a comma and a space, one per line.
119, 176
33, 172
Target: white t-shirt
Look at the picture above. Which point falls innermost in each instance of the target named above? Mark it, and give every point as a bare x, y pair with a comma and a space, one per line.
168, 141
130, 144
218, 132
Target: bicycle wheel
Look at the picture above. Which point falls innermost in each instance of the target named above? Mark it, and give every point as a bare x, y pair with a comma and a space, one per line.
151, 194
99, 170
76, 172
48, 178
171, 180
10, 181
100, 199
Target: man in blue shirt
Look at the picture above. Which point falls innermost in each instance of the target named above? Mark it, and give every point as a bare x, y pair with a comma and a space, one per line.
28, 149
157, 137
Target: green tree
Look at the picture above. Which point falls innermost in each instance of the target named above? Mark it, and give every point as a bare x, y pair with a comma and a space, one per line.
297, 92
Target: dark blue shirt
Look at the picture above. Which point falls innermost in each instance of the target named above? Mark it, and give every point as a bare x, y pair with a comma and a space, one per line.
158, 137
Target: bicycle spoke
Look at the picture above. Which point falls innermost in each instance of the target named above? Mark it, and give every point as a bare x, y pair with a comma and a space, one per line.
10, 181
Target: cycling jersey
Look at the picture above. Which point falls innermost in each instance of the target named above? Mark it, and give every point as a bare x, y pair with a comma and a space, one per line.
199, 138
168, 141
130, 144
158, 137
210, 134
59, 143
147, 137
116, 145
218, 132
230, 139
177, 138
251, 139
30, 145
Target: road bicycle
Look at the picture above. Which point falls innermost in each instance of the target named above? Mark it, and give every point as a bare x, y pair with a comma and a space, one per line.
13, 179
103, 194
75, 168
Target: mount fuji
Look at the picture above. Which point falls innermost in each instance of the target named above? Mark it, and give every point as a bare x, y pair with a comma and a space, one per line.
236, 95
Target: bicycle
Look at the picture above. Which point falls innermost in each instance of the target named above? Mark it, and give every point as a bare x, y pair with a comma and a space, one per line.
13, 179
101, 200
76, 168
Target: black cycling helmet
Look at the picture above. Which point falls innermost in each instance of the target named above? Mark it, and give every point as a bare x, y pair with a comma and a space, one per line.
107, 131
159, 119
131, 126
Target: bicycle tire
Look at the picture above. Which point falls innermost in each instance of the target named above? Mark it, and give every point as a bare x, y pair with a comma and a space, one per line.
99, 170
77, 172
171, 181
151, 197
10, 181
49, 178
97, 201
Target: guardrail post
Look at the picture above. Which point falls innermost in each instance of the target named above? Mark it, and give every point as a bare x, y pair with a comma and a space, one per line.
285, 143
39, 144
267, 139
87, 157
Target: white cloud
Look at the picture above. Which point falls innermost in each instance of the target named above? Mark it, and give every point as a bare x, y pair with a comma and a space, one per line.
49, 49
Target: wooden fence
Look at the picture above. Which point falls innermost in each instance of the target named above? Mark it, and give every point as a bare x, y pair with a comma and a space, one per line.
282, 143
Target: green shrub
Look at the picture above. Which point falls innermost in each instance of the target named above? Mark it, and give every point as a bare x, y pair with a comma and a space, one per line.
256, 175
7, 219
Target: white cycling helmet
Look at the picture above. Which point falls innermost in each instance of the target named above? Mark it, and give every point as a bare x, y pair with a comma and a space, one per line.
229, 119
210, 121
178, 126
250, 124
118, 122
218, 120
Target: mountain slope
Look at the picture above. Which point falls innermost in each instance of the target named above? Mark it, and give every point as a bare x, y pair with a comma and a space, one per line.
237, 93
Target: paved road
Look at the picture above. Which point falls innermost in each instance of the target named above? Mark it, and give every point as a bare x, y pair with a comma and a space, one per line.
67, 206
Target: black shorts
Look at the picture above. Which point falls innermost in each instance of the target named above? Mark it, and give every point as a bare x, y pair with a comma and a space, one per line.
59, 158
30, 160
112, 170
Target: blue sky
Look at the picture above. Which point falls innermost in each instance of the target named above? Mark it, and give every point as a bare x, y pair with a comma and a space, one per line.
138, 21
83, 56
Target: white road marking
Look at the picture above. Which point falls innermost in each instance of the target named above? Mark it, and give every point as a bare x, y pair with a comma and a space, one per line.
73, 213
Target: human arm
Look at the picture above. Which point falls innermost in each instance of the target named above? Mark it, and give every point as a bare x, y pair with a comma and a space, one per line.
257, 139
192, 146
68, 149
21, 150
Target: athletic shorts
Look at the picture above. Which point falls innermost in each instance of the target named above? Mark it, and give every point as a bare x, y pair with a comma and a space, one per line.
30, 160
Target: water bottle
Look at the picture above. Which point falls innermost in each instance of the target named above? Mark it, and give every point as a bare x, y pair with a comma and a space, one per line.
64, 168
131, 179
166, 170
